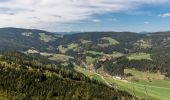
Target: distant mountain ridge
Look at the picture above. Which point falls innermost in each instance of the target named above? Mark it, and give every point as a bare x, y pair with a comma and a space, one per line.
64, 33
24, 39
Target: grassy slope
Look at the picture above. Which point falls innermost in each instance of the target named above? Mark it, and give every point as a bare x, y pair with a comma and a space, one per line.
139, 56
46, 38
155, 84
56, 57
115, 54
111, 40
144, 76
90, 60
60, 57
90, 74
157, 90
71, 46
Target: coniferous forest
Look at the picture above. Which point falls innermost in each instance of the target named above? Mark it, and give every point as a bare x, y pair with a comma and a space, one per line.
26, 78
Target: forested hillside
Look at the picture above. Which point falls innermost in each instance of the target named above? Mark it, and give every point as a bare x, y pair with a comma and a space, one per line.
24, 77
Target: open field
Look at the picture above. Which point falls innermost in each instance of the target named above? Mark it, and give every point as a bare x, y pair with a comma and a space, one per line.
144, 76
90, 74
56, 57
139, 56
60, 57
46, 38
142, 91
90, 60
111, 40
115, 54
158, 89
71, 46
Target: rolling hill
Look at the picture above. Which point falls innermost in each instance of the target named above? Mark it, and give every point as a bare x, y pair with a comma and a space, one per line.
115, 59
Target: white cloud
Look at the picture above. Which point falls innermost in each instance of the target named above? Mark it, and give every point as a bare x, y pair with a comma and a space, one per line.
41, 13
165, 15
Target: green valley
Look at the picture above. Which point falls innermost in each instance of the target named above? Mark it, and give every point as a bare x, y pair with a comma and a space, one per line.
117, 65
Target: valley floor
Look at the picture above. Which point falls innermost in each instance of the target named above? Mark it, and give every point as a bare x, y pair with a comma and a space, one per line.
156, 89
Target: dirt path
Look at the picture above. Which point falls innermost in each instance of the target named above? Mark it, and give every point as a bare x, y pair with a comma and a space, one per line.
104, 80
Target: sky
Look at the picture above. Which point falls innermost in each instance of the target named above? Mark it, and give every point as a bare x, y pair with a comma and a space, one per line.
87, 15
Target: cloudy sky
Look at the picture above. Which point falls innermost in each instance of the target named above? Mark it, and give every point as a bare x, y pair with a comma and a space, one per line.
86, 15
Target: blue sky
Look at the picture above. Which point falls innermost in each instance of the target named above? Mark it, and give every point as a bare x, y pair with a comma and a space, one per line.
87, 15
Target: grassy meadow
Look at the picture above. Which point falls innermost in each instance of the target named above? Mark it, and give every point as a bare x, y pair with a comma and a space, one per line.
139, 56
143, 88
